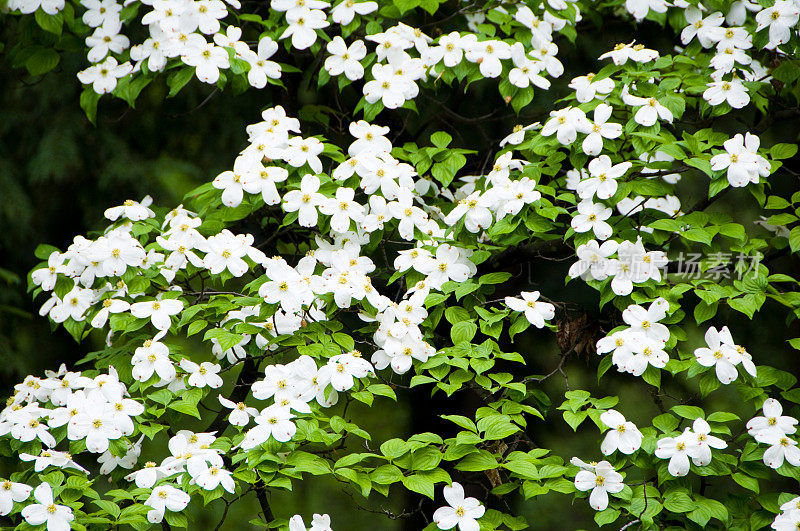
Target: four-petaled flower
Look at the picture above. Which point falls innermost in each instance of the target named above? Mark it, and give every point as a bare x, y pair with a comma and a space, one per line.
602, 480
462, 512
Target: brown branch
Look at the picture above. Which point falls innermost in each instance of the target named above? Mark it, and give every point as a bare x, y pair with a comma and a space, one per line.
261, 494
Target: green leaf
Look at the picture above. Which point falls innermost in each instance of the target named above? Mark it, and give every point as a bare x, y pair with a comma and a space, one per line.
43, 251
497, 427
714, 509
394, 448
465, 289
196, 326
349, 460
434, 299
520, 325
748, 304
704, 312
129, 88
41, 61
652, 375
386, 475
109, 507
697, 235
89, 99
775, 202
606, 516
307, 462
794, 239
446, 170
421, 379
722, 416
344, 340
405, 5
185, 407
150, 430
748, 482
494, 278
733, 230
574, 419
523, 468
787, 71
49, 23
463, 332
176, 519
477, 462
670, 225
421, 484
783, 151
701, 164
441, 139
382, 390
678, 502
461, 421
456, 314
665, 422
522, 98
226, 340
689, 412
177, 80
426, 458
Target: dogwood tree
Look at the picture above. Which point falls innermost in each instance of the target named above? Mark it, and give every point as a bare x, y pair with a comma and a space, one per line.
355, 250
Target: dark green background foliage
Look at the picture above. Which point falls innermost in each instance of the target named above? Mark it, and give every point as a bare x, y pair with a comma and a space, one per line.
58, 172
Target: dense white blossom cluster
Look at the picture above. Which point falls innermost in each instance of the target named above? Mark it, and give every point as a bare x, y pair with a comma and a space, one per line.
774, 429
642, 343
351, 202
